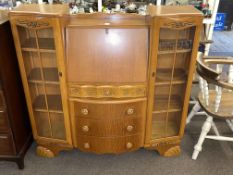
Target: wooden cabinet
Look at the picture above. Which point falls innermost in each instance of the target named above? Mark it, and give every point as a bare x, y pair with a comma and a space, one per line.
106, 83
15, 133
38, 42
174, 45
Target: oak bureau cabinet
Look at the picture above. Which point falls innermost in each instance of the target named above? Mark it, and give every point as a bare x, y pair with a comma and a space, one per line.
106, 83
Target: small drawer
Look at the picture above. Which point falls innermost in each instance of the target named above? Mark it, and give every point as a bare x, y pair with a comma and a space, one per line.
6, 145
3, 120
108, 110
92, 91
102, 145
109, 128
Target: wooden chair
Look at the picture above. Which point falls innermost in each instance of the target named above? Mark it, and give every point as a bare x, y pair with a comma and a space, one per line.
215, 97
193, 101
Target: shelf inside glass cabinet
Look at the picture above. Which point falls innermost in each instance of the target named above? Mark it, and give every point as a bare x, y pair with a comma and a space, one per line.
164, 76
50, 75
53, 101
165, 124
174, 51
159, 129
43, 44
161, 104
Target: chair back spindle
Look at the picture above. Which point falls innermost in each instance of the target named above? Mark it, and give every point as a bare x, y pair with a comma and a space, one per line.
206, 92
230, 74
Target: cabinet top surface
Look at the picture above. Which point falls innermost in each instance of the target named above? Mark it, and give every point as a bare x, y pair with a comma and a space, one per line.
47, 9
63, 9
172, 10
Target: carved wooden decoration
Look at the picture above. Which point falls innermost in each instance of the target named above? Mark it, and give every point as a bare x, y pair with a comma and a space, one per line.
33, 24
168, 149
44, 152
107, 91
178, 25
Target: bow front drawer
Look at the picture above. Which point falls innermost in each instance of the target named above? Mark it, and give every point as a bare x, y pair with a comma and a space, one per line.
102, 145
109, 128
102, 109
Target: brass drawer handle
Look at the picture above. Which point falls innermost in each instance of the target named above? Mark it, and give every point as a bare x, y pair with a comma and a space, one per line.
130, 111
3, 137
107, 23
130, 128
85, 128
84, 111
87, 145
129, 145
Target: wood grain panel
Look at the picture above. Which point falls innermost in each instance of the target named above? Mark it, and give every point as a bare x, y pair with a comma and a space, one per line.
109, 128
101, 145
3, 120
6, 145
106, 55
2, 99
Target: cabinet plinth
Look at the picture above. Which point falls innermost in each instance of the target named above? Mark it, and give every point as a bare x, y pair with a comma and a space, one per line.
114, 82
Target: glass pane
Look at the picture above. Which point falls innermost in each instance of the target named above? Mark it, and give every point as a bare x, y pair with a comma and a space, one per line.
53, 98
50, 70
46, 39
164, 68
165, 124
27, 37
43, 124
161, 98
37, 92
58, 127
32, 66
173, 124
158, 124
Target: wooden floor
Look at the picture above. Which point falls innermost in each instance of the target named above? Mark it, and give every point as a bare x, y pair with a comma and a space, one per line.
223, 43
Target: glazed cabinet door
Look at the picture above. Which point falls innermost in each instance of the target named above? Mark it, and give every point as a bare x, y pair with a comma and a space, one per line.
171, 75
40, 54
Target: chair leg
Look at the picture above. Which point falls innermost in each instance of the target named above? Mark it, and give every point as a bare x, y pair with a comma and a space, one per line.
205, 129
195, 109
230, 124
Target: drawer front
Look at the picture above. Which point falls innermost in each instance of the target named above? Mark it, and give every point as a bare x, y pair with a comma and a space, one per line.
3, 120
104, 110
6, 145
109, 128
127, 91
101, 145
